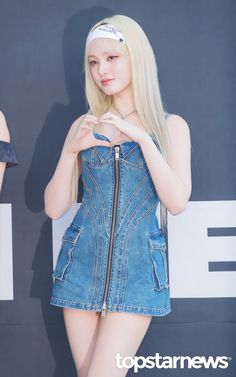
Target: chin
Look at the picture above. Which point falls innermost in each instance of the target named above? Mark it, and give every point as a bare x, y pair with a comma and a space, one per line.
110, 92
113, 91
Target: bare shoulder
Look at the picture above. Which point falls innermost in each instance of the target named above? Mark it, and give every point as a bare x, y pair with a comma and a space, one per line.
177, 122
178, 130
4, 133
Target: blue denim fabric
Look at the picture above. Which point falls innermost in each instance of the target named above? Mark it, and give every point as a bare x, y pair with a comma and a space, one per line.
137, 281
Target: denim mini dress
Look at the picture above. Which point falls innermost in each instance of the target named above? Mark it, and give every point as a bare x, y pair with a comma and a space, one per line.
113, 256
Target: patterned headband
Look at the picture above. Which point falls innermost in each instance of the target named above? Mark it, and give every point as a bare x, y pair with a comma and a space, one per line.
106, 31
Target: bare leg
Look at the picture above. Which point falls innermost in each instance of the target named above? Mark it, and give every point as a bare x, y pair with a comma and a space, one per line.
118, 333
81, 327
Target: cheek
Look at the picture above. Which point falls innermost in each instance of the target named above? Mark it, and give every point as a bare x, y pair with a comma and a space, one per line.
93, 72
124, 71
95, 76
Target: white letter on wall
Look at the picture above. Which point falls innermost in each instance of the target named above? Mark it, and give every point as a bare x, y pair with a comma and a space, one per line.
190, 249
6, 266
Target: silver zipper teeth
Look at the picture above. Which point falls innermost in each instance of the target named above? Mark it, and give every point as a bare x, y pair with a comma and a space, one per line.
113, 224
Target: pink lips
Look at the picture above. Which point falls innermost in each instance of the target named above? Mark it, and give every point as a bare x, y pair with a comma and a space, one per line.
105, 82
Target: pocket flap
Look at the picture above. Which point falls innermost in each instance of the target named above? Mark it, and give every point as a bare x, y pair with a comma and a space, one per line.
157, 247
71, 234
157, 240
65, 256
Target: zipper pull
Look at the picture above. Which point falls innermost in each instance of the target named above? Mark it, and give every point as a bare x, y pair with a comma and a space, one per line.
103, 309
117, 151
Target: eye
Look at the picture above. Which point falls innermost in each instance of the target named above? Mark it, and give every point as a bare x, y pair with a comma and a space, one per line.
112, 57
91, 62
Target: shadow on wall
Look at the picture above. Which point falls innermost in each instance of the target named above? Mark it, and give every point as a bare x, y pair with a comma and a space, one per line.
46, 154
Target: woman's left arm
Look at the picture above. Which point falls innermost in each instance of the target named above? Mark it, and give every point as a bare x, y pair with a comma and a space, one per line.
171, 179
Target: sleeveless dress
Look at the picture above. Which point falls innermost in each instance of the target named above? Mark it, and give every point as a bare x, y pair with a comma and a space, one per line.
113, 255
7, 154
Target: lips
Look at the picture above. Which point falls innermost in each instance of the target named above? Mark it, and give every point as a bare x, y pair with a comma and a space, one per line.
106, 81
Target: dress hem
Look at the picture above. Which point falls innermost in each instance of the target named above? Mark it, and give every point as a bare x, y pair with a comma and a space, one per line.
111, 308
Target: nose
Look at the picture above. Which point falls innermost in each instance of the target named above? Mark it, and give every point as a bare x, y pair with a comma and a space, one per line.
102, 68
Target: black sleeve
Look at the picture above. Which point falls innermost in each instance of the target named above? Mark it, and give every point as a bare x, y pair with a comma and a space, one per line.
7, 154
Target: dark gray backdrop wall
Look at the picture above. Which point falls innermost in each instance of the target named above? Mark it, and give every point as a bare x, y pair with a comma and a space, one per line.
41, 93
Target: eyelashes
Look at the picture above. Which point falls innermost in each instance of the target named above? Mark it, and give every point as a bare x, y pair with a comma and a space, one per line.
93, 61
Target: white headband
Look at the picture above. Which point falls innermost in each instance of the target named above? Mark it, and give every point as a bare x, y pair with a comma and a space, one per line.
106, 31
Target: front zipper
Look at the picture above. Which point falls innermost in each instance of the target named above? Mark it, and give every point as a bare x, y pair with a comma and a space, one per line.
113, 225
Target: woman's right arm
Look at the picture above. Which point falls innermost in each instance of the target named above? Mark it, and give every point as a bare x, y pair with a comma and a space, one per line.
57, 195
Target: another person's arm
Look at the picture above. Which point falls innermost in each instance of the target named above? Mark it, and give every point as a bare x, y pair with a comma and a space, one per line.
4, 137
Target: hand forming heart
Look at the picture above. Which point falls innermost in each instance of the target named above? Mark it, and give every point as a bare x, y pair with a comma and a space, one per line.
126, 129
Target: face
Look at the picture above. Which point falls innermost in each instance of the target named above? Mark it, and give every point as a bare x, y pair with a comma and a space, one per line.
107, 62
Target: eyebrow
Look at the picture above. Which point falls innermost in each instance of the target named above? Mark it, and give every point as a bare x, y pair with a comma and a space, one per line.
104, 53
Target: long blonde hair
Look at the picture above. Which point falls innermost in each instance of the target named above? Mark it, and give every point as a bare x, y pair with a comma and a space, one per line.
144, 83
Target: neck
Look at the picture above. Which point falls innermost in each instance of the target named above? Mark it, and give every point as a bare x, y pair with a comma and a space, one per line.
123, 102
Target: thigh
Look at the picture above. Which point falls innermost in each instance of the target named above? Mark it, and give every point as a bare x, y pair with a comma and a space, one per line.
118, 333
81, 327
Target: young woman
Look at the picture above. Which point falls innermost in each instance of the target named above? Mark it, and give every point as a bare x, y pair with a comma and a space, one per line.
111, 273
7, 154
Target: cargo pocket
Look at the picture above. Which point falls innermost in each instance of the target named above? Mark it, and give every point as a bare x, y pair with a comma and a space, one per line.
65, 256
157, 248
